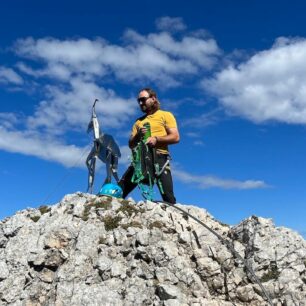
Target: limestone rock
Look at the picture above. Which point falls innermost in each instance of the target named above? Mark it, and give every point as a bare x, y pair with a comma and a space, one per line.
4, 271
90, 250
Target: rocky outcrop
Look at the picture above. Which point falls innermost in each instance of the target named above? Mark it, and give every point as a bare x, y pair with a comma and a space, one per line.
90, 250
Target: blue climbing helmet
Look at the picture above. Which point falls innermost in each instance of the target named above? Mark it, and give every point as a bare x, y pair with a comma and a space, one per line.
112, 190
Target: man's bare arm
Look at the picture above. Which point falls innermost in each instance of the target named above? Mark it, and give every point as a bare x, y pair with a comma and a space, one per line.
172, 137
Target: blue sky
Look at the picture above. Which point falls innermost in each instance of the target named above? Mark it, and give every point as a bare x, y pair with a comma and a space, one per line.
232, 72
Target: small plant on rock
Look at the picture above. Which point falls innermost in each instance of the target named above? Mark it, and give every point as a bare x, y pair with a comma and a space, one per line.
35, 218
128, 209
85, 215
132, 224
44, 209
273, 273
156, 224
102, 240
103, 204
111, 223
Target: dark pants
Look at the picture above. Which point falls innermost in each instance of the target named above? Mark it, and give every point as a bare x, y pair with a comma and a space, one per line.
165, 178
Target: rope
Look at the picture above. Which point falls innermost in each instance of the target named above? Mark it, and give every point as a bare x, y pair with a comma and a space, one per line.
65, 176
228, 245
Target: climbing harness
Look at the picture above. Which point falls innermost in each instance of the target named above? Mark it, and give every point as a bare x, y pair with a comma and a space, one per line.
146, 168
228, 244
143, 163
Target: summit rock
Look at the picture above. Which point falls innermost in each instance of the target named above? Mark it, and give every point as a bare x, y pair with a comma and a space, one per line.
93, 250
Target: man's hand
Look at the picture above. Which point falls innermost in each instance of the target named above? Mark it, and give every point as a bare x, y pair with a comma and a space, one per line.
172, 137
133, 141
151, 141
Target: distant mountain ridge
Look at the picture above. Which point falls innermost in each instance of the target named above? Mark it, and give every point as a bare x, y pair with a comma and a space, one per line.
90, 250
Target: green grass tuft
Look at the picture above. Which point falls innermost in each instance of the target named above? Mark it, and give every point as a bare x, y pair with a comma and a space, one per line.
102, 240
132, 224
129, 209
44, 209
156, 224
34, 218
273, 273
111, 223
102, 204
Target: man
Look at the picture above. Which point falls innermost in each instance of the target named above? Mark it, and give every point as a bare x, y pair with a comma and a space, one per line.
164, 132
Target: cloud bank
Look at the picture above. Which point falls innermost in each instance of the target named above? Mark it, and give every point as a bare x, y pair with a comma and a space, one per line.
71, 73
206, 181
158, 57
9, 76
269, 86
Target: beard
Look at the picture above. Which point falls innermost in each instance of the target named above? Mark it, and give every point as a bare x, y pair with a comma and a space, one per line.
149, 108
143, 108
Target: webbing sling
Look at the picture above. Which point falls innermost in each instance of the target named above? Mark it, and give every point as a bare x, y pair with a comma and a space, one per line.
146, 169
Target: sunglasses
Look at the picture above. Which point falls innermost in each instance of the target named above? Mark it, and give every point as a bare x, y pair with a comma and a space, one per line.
143, 99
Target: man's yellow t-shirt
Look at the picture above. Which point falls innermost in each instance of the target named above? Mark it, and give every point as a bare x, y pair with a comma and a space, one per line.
159, 122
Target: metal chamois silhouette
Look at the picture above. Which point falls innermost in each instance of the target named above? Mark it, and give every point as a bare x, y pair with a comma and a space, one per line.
105, 148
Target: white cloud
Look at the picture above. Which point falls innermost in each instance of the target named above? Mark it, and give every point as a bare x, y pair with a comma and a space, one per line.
77, 67
62, 113
202, 120
205, 182
157, 57
38, 146
57, 71
95, 60
196, 138
193, 134
269, 86
198, 51
125, 155
71, 73
70, 108
199, 143
70, 52
49, 148
9, 120
8, 75
171, 24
